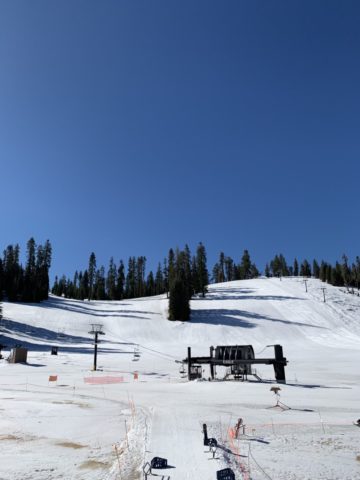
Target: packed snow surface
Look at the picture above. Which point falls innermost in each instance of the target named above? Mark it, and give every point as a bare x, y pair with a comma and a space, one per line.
107, 424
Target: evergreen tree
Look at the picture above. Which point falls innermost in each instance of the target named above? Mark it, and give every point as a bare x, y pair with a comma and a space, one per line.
296, 268
14, 273
99, 285
221, 268
322, 272
284, 270
267, 270
188, 278
216, 273
92, 274
111, 281
166, 277
150, 284
245, 266
84, 285
29, 292
130, 283
201, 270
120, 283
329, 274
43, 267
337, 275
316, 269
171, 267
179, 302
357, 273
275, 266
254, 272
55, 288
140, 284
345, 271
1, 314
305, 269
2, 279
43, 262
159, 281
229, 269
76, 285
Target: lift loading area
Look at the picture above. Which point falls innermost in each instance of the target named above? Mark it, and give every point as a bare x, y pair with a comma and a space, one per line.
239, 359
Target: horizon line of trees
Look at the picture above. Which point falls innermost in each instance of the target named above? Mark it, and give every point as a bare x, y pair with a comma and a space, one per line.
180, 270
119, 282
342, 274
29, 282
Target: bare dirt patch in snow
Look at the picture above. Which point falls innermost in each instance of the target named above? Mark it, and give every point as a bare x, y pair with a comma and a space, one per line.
94, 464
73, 445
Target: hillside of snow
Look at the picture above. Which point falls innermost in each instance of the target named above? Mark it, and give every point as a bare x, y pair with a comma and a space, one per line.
107, 424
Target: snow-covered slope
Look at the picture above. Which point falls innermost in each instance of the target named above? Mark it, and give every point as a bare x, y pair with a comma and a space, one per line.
68, 429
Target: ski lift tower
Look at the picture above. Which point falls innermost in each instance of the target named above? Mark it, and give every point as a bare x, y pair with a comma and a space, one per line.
96, 330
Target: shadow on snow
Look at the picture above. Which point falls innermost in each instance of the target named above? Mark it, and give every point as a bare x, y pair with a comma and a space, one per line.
238, 318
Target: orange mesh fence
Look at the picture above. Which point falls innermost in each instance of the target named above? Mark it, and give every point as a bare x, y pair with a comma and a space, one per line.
103, 380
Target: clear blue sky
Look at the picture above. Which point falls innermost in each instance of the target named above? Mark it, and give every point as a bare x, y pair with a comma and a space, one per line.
128, 127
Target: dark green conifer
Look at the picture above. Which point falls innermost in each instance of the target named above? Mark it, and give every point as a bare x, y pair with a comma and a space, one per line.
111, 281
296, 268
92, 274
120, 283
179, 303
201, 270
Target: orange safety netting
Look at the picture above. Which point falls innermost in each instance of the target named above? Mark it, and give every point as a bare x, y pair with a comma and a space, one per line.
103, 380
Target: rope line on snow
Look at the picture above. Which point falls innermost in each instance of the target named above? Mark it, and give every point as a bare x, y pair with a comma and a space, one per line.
257, 464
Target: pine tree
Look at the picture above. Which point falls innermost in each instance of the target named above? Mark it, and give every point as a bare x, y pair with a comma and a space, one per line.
216, 273
140, 284
179, 303
337, 275
267, 270
221, 267
130, 281
284, 270
159, 281
296, 268
84, 285
201, 270
92, 274
120, 282
43, 263
254, 272
166, 277
275, 266
55, 288
111, 281
345, 271
329, 274
171, 267
29, 292
357, 273
99, 285
245, 266
150, 284
229, 269
305, 269
316, 269
188, 278
2, 279
76, 285
322, 272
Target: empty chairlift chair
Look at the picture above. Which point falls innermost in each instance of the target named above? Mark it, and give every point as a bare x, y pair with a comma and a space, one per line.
225, 474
